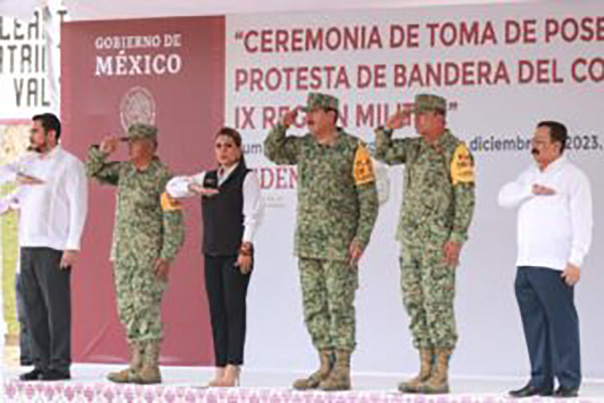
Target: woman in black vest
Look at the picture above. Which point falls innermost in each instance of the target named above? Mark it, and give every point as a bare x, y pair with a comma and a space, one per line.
231, 210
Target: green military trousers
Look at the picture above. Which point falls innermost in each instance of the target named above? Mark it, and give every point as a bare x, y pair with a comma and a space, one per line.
328, 289
428, 287
139, 296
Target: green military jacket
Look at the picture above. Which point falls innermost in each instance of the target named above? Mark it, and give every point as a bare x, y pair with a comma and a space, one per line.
337, 196
438, 184
147, 224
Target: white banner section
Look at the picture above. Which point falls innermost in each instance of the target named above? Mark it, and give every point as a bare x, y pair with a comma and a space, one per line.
502, 68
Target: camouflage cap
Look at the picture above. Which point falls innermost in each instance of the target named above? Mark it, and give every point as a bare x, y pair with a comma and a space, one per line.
430, 103
316, 100
142, 131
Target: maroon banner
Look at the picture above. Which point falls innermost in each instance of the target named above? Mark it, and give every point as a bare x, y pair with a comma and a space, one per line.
170, 72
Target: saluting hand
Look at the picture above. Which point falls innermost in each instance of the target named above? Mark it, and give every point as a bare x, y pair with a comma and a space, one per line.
109, 144
398, 120
290, 117
161, 269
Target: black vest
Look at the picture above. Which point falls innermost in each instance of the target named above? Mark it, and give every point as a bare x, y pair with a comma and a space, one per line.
223, 213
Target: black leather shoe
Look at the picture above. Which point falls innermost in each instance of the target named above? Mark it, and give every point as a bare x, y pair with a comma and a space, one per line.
566, 392
32, 375
530, 390
54, 375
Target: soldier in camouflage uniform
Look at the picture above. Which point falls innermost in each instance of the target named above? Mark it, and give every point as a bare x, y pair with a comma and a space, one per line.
337, 209
148, 232
438, 204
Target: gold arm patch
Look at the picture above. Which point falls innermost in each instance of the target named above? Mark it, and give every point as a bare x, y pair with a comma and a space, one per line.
168, 203
462, 166
363, 167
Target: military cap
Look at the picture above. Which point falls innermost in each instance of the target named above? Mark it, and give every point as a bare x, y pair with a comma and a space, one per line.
138, 131
430, 103
316, 100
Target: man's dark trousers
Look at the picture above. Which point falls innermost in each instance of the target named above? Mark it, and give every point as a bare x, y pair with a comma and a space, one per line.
551, 326
47, 297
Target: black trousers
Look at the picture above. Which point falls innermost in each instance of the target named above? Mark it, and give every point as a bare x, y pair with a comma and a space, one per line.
227, 290
24, 333
47, 300
551, 326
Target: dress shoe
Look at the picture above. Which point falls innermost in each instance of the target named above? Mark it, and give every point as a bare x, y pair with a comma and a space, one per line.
32, 375
530, 390
566, 392
54, 375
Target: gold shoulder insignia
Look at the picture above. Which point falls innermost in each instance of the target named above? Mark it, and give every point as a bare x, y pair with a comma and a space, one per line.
168, 203
363, 167
462, 166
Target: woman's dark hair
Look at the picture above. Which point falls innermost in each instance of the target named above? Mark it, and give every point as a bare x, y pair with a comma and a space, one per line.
232, 133
235, 136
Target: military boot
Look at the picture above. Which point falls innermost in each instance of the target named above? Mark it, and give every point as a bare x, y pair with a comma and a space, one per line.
149, 372
438, 382
313, 381
130, 374
426, 356
339, 377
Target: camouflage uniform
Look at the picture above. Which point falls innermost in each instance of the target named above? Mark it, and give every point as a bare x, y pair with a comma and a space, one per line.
438, 204
337, 203
147, 226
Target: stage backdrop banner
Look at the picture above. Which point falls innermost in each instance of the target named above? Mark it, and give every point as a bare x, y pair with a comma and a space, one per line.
168, 72
502, 68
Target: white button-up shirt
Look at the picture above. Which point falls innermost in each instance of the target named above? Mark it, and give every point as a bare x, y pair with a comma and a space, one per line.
553, 230
253, 206
53, 214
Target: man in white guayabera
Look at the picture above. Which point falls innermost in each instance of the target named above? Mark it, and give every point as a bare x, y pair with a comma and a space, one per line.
554, 235
53, 203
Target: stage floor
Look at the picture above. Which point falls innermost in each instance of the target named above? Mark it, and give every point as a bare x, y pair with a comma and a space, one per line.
186, 384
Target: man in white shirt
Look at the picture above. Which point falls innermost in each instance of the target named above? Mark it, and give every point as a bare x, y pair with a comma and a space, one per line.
53, 204
554, 236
